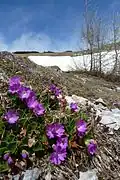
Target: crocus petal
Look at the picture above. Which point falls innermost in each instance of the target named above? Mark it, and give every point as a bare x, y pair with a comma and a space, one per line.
11, 116
62, 142
32, 102
52, 87
55, 130
25, 93
92, 147
6, 156
14, 84
73, 107
10, 160
39, 110
81, 127
50, 131
58, 155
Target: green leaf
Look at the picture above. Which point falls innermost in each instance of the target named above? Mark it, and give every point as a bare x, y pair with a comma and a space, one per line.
87, 138
38, 95
70, 127
10, 142
12, 147
38, 147
44, 138
3, 167
10, 138
83, 116
2, 127
3, 150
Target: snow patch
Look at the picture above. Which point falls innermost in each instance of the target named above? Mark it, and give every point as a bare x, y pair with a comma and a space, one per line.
67, 63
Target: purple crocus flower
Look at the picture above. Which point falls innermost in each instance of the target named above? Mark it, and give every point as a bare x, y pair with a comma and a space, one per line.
11, 116
73, 107
10, 160
25, 93
52, 87
57, 92
32, 102
62, 142
55, 130
50, 131
6, 156
81, 127
58, 155
92, 147
14, 84
14, 80
24, 155
58, 129
39, 110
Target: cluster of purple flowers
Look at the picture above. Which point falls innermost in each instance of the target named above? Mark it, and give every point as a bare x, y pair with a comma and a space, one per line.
53, 131
27, 95
56, 130
55, 90
8, 158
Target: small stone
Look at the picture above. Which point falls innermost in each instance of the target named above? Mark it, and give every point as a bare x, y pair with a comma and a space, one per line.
16, 177
80, 100
22, 163
48, 176
100, 101
32, 174
36, 173
88, 175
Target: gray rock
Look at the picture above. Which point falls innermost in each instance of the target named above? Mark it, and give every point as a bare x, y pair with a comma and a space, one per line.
48, 176
111, 118
88, 175
32, 174
117, 104
16, 177
100, 101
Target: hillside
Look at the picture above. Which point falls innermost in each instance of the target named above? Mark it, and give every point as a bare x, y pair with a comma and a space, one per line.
106, 161
73, 82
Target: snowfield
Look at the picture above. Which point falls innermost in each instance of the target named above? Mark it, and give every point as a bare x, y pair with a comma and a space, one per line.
67, 63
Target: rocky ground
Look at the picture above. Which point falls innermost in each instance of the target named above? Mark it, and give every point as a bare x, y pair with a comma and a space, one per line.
106, 164
77, 83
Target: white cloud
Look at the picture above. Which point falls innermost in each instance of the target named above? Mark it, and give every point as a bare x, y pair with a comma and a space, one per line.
30, 41
22, 22
39, 42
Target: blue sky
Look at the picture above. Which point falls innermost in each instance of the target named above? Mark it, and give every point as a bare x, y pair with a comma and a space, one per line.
45, 24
